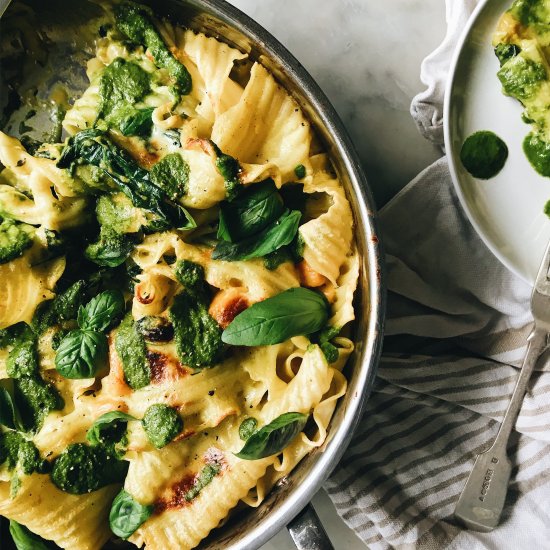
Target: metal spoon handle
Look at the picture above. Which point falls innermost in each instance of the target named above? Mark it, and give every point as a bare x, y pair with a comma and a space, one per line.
482, 499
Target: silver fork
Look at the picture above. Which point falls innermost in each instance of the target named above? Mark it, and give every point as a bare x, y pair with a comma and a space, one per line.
481, 502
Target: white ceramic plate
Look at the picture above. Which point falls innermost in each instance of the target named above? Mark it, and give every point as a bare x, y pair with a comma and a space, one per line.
507, 210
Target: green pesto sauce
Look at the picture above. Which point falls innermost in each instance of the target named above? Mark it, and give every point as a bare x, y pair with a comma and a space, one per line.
115, 214
537, 152
189, 274
207, 474
521, 77
483, 154
138, 122
15, 238
16, 451
531, 12
62, 308
122, 84
197, 335
23, 359
504, 52
130, 346
229, 168
115, 211
171, 174
161, 424
247, 428
35, 399
10, 336
111, 250
81, 469
134, 21
547, 208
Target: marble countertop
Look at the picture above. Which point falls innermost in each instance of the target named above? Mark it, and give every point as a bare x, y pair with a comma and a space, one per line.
365, 55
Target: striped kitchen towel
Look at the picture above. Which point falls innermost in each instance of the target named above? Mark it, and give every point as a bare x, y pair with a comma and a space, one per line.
455, 336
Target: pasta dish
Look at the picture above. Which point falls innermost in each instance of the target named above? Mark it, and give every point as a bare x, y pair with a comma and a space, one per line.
177, 273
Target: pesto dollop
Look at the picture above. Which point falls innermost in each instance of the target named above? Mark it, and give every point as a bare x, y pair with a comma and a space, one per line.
197, 334
483, 154
16, 451
35, 398
537, 152
81, 469
122, 84
171, 174
161, 424
135, 22
130, 347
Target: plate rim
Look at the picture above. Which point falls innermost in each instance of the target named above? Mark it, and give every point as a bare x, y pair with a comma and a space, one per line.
452, 160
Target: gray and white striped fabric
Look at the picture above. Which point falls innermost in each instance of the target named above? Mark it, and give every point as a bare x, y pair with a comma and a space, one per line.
456, 332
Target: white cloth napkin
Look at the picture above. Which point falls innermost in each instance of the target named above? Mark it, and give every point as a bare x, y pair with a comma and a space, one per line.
457, 324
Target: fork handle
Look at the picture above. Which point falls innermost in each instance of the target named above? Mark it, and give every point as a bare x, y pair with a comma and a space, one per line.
482, 499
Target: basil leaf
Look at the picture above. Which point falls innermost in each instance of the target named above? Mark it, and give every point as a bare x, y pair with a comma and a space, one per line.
80, 353
107, 422
27, 540
266, 241
247, 428
8, 416
253, 210
127, 515
294, 312
273, 438
101, 311
138, 124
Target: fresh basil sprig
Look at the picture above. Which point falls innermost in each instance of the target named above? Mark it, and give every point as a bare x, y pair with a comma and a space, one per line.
273, 237
79, 354
273, 438
253, 210
100, 312
127, 515
81, 351
106, 422
27, 540
294, 312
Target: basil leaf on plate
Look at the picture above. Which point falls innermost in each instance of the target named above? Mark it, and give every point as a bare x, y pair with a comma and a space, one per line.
101, 311
106, 423
80, 353
273, 237
253, 210
27, 540
127, 515
273, 438
296, 311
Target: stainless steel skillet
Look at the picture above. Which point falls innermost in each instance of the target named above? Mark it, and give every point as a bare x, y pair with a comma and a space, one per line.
61, 23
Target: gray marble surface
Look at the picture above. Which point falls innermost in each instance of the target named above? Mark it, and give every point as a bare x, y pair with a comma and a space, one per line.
365, 55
